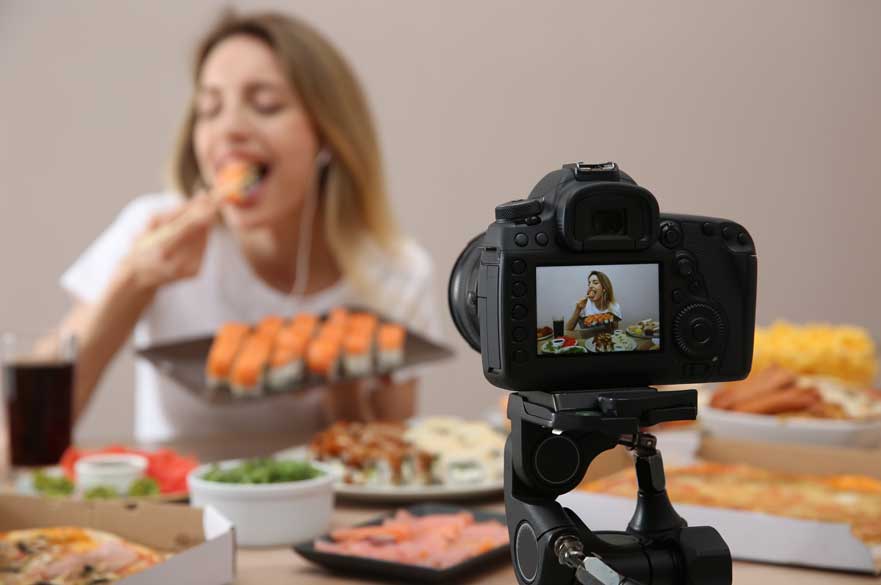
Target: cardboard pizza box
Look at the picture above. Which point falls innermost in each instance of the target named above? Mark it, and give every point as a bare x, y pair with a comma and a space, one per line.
754, 536
201, 541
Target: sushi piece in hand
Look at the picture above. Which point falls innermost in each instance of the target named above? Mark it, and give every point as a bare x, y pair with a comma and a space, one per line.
249, 371
238, 180
224, 349
323, 358
390, 339
357, 353
286, 366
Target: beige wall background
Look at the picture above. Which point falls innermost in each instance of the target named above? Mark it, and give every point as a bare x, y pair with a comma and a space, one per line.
767, 112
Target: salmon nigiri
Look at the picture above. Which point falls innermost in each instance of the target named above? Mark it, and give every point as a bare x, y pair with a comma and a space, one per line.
391, 338
286, 365
323, 356
223, 353
357, 353
248, 372
237, 180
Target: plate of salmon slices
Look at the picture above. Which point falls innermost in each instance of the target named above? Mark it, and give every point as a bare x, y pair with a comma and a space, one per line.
278, 354
429, 543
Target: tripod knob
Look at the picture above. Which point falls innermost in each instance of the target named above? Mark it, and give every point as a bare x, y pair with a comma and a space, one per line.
707, 557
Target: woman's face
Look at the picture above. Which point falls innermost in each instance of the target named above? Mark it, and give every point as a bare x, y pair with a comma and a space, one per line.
594, 288
247, 111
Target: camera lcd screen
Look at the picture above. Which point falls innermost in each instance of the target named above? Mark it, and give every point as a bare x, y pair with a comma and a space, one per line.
608, 308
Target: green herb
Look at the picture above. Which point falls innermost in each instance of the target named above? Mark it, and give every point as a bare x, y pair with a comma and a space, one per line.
101, 492
263, 471
145, 486
52, 485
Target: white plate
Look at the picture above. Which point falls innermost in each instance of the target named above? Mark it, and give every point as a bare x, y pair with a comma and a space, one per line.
589, 344
405, 493
776, 429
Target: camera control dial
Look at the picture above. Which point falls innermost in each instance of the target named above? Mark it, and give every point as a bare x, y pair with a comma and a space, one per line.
699, 331
518, 209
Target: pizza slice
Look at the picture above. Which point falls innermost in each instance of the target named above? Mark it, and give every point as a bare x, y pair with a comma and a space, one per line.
70, 555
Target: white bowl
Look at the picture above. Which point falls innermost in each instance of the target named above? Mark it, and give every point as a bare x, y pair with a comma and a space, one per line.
270, 514
116, 470
775, 429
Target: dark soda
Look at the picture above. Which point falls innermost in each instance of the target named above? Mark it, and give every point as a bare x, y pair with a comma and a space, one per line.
39, 403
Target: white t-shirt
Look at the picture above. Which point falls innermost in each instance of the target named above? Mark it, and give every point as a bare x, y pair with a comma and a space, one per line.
591, 309
227, 289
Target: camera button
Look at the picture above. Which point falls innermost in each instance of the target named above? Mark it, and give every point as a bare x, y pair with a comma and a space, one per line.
518, 288
743, 238
519, 334
518, 266
727, 232
708, 229
685, 267
519, 311
533, 220
671, 235
677, 295
520, 356
541, 239
701, 330
521, 239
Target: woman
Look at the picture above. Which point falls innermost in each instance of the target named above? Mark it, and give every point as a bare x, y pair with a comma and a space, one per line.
316, 232
600, 298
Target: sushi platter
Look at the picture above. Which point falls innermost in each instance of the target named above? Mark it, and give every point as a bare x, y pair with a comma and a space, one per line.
430, 459
281, 355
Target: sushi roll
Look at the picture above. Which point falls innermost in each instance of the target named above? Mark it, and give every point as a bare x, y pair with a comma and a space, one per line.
286, 365
338, 316
237, 180
249, 371
390, 339
362, 322
270, 326
323, 358
305, 323
357, 354
224, 349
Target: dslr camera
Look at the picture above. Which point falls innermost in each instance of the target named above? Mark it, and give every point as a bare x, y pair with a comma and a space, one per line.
675, 294
579, 298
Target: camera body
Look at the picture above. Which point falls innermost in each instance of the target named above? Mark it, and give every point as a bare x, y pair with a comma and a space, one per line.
641, 297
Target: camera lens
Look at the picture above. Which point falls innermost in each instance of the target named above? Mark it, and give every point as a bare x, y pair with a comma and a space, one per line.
609, 222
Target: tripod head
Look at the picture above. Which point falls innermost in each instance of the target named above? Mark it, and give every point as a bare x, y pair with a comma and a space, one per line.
554, 438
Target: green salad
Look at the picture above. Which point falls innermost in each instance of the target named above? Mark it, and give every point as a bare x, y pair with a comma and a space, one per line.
263, 471
51, 485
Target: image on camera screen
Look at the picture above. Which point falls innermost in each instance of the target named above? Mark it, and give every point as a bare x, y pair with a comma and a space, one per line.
597, 309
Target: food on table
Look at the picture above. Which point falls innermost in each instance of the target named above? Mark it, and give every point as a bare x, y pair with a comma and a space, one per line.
145, 486
599, 319
101, 492
277, 354
466, 452
851, 499
260, 471
543, 332
779, 391
645, 328
838, 351
166, 467
603, 342
433, 451
70, 555
238, 180
562, 345
435, 540
52, 485
390, 339
223, 352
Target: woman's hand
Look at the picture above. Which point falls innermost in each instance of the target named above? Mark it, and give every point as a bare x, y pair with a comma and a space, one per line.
579, 306
173, 245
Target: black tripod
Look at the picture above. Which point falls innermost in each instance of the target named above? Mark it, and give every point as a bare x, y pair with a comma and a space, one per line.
554, 437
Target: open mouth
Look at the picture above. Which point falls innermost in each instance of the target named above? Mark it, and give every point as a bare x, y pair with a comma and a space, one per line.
240, 182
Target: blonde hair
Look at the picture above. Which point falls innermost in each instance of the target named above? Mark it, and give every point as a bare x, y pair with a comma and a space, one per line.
355, 204
608, 292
